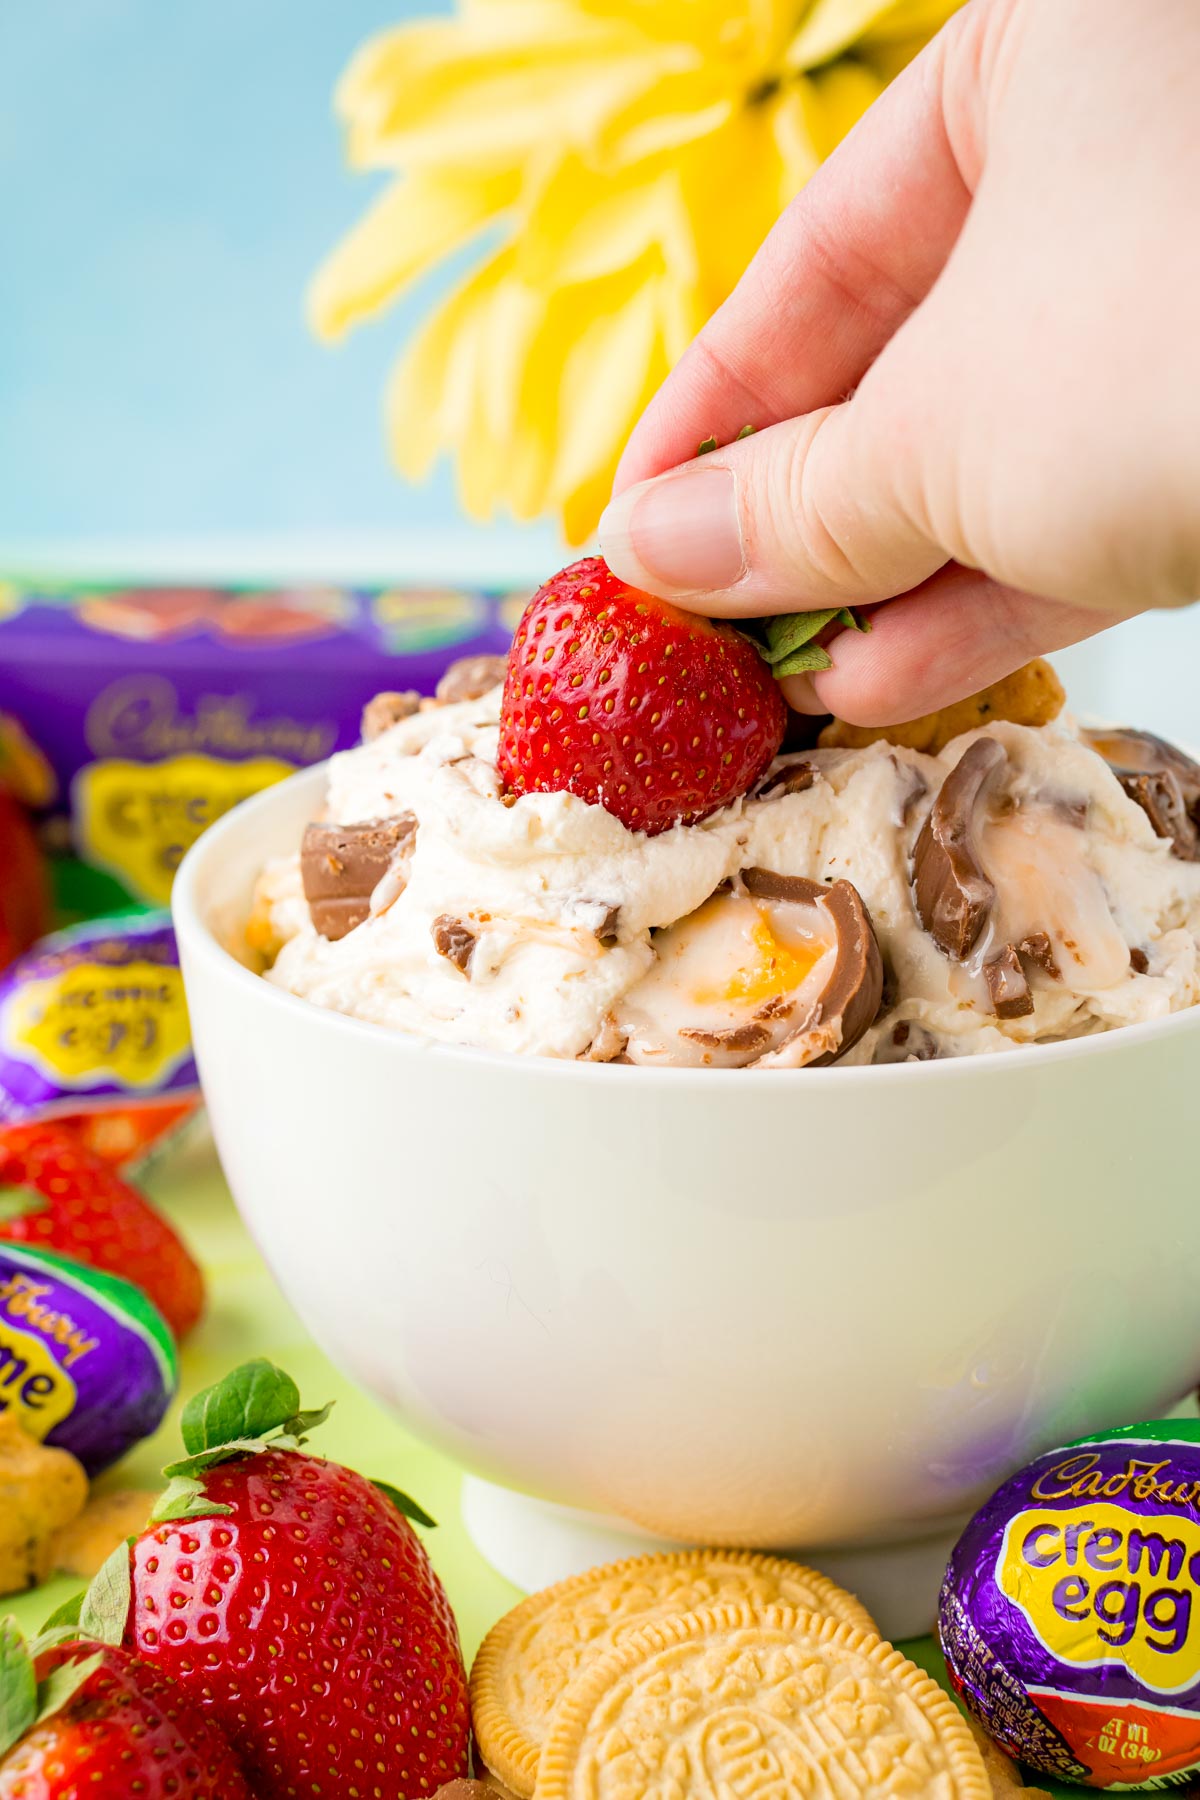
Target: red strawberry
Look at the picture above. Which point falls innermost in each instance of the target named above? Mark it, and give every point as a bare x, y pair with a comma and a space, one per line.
656, 715
24, 889
72, 1202
296, 1606
125, 1730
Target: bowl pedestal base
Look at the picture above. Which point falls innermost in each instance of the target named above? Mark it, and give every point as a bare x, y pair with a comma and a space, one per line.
534, 1543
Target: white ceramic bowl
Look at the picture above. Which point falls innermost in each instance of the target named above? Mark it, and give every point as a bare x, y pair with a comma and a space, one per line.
824, 1309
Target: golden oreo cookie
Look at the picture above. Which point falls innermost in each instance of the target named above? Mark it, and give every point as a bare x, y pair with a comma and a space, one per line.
1032, 695
736, 1701
528, 1660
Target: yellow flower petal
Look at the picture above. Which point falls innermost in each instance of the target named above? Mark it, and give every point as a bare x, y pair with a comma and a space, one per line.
580, 506
910, 21
430, 392
604, 375
412, 225
734, 185
585, 224
832, 26
637, 152
437, 93
833, 100
682, 104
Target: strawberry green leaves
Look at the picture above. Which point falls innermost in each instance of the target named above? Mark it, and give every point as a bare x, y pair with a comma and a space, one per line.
18, 1685
405, 1505
62, 1682
63, 1623
710, 443
254, 1408
184, 1498
24, 1701
789, 648
105, 1606
251, 1401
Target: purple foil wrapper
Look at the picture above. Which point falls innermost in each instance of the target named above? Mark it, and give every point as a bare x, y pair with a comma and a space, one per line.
154, 710
86, 1362
95, 1016
1070, 1612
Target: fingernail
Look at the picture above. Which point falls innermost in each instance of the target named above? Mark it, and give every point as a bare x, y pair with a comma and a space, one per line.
676, 535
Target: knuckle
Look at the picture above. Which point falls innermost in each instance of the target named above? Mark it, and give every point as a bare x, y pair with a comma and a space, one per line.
806, 526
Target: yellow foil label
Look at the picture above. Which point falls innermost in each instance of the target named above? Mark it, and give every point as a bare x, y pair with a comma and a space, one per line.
32, 1384
95, 1022
137, 819
1101, 1584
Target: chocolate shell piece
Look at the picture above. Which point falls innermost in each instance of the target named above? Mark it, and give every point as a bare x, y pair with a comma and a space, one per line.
1160, 779
386, 710
340, 866
952, 892
849, 1002
1011, 998
772, 970
1037, 949
793, 778
455, 941
470, 678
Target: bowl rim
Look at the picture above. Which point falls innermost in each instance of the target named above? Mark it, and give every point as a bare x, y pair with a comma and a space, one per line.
204, 947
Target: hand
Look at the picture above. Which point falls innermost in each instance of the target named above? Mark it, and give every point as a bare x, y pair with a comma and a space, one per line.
1000, 266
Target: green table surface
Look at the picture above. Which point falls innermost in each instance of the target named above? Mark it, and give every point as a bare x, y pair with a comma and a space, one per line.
248, 1316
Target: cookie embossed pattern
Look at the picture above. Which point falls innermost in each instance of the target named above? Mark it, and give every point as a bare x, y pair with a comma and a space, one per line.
528, 1661
758, 1703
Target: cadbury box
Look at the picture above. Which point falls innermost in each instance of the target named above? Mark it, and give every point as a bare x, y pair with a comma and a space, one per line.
147, 712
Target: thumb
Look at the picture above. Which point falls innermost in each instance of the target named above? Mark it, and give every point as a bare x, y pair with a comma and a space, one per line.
817, 511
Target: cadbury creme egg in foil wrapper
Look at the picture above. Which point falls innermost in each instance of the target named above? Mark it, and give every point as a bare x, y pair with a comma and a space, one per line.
1070, 1613
87, 1364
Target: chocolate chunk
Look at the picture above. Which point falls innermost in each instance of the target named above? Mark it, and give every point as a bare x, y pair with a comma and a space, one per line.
471, 677
455, 941
341, 865
386, 710
1011, 998
1139, 962
915, 787
1038, 950
1160, 779
906, 1042
849, 1002
1161, 799
952, 893
794, 778
462, 1789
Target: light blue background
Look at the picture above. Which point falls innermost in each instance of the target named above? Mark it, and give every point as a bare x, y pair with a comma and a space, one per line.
170, 176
